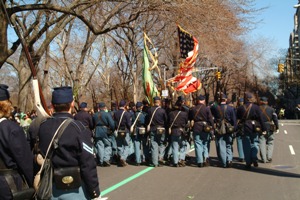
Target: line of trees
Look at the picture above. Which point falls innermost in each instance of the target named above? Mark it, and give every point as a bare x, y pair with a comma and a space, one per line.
95, 46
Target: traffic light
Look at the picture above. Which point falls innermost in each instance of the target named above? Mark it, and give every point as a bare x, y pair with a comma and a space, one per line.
280, 68
218, 75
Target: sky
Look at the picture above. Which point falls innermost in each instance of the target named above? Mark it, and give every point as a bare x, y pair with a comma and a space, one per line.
277, 21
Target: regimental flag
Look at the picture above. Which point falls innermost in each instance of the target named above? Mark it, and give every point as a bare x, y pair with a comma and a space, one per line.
189, 51
148, 84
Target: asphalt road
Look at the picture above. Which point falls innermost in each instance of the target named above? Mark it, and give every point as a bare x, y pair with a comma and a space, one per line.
278, 180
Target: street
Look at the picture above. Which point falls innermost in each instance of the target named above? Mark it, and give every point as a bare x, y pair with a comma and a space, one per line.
278, 180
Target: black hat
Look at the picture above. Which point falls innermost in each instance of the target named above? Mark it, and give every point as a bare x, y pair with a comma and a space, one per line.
201, 97
102, 105
4, 94
122, 103
138, 104
62, 95
156, 98
265, 99
83, 105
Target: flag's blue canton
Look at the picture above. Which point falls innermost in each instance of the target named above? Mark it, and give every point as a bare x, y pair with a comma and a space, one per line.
186, 43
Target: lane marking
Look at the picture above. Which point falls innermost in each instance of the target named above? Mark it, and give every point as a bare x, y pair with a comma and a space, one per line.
127, 180
292, 150
285, 132
108, 190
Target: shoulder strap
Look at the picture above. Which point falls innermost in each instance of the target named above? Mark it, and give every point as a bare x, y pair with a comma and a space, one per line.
153, 115
263, 109
120, 120
57, 135
136, 119
222, 113
175, 119
100, 118
197, 111
247, 111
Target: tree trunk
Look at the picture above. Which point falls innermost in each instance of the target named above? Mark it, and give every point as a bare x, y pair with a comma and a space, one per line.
25, 100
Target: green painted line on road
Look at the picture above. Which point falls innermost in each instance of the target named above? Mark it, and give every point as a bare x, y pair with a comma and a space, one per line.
108, 190
114, 187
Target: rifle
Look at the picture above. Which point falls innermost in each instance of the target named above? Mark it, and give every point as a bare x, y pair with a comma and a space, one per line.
39, 99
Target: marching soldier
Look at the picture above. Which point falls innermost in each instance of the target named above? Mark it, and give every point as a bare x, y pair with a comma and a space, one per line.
251, 117
104, 126
157, 121
202, 131
16, 159
266, 141
226, 121
140, 138
75, 149
239, 134
123, 122
84, 116
177, 122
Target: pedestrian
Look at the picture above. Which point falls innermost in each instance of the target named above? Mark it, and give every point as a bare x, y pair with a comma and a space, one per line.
123, 122
104, 127
74, 151
139, 136
178, 119
84, 116
226, 124
251, 116
266, 141
16, 159
156, 125
202, 130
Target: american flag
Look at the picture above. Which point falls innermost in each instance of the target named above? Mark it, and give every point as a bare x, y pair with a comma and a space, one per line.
189, 51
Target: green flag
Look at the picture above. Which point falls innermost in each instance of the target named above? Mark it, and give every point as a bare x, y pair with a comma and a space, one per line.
148, 84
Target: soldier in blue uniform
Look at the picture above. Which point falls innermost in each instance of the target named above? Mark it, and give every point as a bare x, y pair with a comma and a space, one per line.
239, 134
16, 159
140, 138
84, 116
251, 116
122, 122
266, 141
201, 117
157, 121
177, 122
224, 138
75, 148
104, 127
